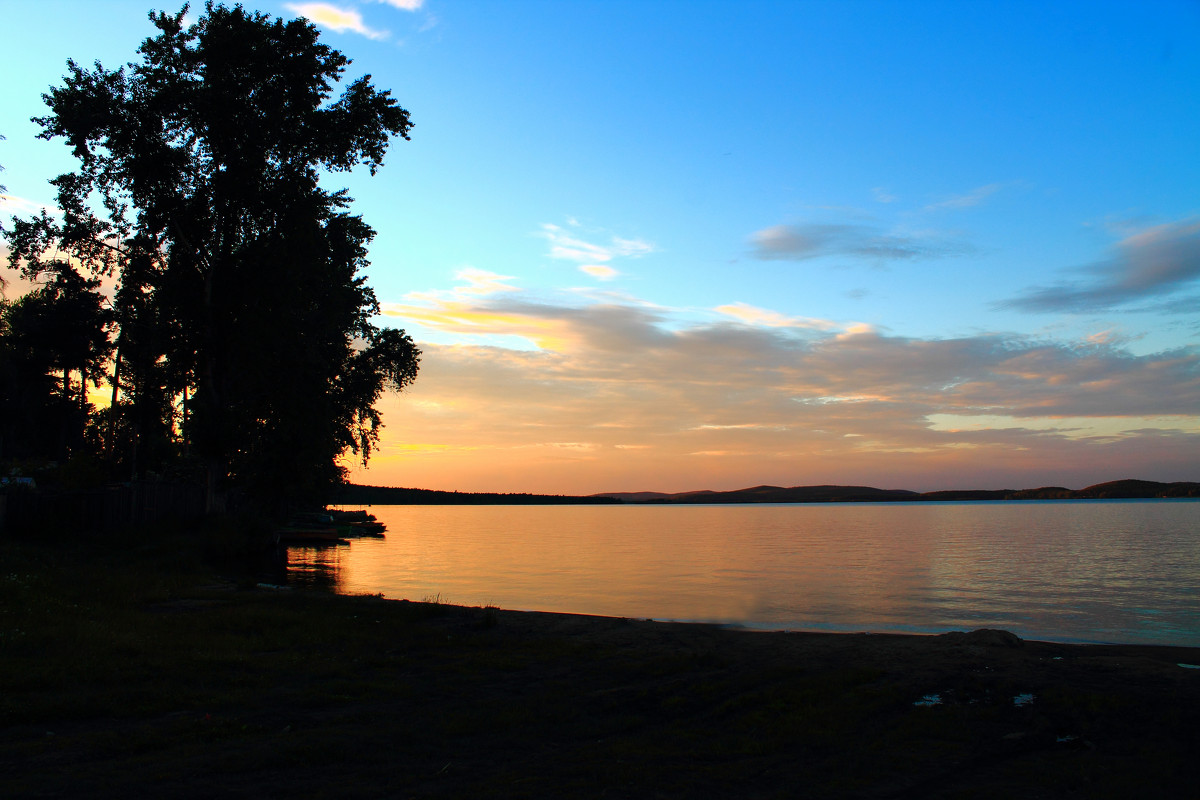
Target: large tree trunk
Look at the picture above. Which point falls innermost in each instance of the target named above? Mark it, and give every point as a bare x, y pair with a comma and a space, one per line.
183, 427
112, 405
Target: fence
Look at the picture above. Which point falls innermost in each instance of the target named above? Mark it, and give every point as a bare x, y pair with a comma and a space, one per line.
101, 510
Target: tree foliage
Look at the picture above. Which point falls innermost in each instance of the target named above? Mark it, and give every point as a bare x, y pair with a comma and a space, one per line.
244, 318
48, 335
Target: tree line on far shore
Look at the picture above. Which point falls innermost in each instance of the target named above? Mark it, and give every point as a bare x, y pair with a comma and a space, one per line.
1112, 490
197, 274
352, 494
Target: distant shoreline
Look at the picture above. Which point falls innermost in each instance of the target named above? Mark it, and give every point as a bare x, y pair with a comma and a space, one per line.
1127, 489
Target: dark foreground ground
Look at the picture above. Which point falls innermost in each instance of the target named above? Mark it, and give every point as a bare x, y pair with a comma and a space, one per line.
121, 679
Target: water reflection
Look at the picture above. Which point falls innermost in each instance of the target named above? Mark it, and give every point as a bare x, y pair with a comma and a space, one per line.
315, 566
1102, 571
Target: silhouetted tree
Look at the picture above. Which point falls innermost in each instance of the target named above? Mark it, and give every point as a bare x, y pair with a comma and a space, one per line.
32, 413
49, 334
240, 276
142, 418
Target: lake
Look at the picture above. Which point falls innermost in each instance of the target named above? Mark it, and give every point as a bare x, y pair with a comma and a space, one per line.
1077, 571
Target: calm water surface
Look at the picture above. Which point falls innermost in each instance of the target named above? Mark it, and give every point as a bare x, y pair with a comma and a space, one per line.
1120, 571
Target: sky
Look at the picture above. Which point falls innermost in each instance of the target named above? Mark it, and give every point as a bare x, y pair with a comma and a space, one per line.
665, 245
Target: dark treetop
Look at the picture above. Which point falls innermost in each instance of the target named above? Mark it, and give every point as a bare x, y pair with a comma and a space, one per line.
243, 326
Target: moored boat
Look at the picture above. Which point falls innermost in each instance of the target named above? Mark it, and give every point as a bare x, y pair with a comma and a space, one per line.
364, 528
329, 526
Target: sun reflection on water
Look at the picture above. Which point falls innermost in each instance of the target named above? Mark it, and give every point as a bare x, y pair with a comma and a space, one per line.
1096, 571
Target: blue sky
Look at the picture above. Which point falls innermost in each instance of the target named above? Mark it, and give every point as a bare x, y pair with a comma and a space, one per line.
668, 245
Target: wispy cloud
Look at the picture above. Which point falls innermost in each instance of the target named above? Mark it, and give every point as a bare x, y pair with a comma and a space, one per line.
882, 195
600, 271
482, 282
335, 18
1158, 261
971, 198
804, 241
472, 283
429, 21
591, 256
12, 205
752, 315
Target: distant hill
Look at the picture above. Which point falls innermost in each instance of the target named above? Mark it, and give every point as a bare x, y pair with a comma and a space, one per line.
772, 494
1112, 490
1131, 488
951, 495
1123, 489
646, 497
354, 494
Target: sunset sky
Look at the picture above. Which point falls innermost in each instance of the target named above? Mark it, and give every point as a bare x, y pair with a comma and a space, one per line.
666, 245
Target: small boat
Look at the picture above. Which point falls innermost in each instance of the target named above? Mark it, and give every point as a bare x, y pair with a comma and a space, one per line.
329, 526
356, 523
365, 528
311, 534
351, 516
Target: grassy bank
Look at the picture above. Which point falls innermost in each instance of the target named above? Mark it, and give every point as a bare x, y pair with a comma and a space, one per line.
142, 670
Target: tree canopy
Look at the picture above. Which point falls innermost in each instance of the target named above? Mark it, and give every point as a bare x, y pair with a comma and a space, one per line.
243, 317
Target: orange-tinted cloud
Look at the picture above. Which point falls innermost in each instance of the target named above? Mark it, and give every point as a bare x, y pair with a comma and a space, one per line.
619, 396
335, 18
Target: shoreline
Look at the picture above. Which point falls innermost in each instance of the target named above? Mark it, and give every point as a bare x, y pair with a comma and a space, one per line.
847, 631
740, 628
